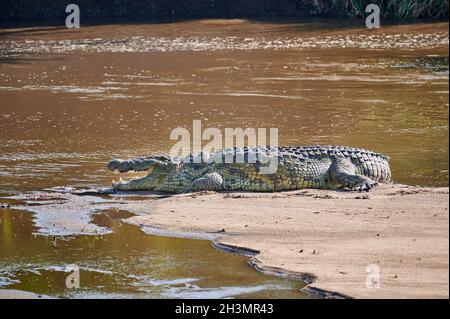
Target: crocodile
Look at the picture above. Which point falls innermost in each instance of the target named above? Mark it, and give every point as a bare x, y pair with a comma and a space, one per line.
300, 167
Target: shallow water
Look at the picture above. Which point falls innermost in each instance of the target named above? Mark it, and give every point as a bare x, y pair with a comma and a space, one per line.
72, 99
126, 263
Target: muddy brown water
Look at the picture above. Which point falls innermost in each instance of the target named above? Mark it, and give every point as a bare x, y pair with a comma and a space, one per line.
127, 263
72, 99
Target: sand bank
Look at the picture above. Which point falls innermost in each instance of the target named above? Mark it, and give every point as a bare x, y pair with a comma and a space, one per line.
19, 294
330, 239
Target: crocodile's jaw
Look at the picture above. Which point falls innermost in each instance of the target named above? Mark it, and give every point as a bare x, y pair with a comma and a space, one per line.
150, 182
133, 184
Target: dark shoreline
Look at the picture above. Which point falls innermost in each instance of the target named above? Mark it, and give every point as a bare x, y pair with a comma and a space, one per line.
52, 12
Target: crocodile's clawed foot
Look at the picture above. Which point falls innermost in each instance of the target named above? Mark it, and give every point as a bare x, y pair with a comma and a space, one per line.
343, 172
364, 186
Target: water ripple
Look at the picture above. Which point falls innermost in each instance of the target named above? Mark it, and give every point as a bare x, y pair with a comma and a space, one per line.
206, 43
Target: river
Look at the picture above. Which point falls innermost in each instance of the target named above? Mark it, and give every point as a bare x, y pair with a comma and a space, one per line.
70, 100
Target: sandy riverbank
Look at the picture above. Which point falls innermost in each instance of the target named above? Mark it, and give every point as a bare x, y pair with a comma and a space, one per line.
326, 237
19, 294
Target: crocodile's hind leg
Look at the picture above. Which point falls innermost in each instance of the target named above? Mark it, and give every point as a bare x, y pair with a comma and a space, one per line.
208, 182
343, 172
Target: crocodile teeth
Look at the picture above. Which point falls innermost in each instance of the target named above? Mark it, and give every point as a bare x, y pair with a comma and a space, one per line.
120, 179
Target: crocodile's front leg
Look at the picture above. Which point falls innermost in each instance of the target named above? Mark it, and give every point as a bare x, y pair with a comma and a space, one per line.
343, 172
208, 182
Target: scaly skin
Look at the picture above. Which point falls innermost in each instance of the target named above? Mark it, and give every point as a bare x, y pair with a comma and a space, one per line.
325, 167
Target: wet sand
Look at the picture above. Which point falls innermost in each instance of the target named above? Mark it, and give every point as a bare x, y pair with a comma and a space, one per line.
19, 294
326, 238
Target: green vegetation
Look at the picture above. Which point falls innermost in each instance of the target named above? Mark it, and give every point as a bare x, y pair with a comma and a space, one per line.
390, 9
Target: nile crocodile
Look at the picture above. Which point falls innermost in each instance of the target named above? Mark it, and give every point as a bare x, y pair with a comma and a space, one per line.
325, 167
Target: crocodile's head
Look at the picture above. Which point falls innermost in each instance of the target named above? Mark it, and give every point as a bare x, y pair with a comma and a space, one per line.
158, 169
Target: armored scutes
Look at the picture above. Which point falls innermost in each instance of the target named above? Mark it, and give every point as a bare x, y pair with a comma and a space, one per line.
238, 169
